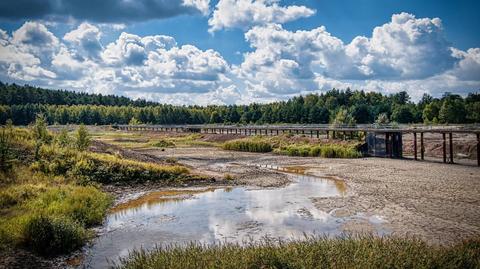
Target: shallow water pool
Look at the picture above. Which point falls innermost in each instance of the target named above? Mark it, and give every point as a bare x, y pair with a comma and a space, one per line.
211, 215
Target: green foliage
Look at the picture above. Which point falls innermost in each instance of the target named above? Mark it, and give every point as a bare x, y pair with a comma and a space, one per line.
228, 177
63, 139
40, 132
47, 235
47, 215
86, 205
48, 203
22, 103
249, 145
342, 252
402, 114
82, 140
134, 121
41, 135
343, 118
110, 169
6, 156
430, 112
321, 150
171, 160
452, 110
382, 119
163, 143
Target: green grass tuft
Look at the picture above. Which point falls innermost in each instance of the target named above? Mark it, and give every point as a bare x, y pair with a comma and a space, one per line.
249, 145
349, 252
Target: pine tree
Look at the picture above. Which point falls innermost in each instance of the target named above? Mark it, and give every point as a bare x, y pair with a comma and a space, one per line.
82, 138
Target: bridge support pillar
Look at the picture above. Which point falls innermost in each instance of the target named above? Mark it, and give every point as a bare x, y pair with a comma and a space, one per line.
444, 148
450, 142
415, 145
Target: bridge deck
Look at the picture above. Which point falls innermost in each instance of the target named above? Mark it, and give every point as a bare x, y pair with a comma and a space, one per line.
327, 129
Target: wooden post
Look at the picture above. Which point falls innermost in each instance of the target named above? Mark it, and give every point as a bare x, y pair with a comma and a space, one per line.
415, 145
451, 146
444, 148
422, 147
392, 142
333, 135
478, 149
387, 144
318, 134
328, 135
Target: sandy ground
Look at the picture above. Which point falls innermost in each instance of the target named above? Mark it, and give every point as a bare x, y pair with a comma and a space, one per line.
432, 201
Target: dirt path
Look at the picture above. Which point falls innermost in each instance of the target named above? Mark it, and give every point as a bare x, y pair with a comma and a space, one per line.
435, 202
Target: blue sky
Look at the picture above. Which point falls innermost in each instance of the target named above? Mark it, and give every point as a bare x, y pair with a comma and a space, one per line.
239, 51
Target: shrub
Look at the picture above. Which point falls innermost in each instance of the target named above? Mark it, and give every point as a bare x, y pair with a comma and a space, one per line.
162, 143
82, 138
85, 205
228, 177
49, 236
248, 145
63, 139
171, 160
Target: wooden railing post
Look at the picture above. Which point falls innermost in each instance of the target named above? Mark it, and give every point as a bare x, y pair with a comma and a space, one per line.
422, 148
451, 146
415, 144
478, 149
444, 148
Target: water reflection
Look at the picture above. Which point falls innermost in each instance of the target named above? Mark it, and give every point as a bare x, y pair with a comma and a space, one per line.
217, 215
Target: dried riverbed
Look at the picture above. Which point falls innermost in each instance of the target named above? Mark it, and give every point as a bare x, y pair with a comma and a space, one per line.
435, 202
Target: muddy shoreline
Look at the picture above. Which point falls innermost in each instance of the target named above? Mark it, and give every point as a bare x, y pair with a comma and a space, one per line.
435, 202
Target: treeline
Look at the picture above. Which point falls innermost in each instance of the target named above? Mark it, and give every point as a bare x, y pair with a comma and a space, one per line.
13, 94
334, 106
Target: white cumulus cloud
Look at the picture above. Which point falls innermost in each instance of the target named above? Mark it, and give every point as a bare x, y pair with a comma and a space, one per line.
246, 13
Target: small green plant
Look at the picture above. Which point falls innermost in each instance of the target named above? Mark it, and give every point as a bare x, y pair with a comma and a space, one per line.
41, 135
382, 119
63, 139
134, 121
171, 160
228, 177
162, 143
82, 138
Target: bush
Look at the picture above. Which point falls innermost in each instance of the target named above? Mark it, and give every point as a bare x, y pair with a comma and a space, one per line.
85, 205
162, 143
82, 140
248, 145
49, 236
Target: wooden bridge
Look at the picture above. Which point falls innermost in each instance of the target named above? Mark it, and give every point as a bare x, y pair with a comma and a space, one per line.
390, 134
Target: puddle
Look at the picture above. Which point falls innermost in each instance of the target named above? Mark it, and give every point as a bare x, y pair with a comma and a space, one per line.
234, 214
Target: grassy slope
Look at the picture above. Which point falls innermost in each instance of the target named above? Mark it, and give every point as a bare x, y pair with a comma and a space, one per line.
47, 204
